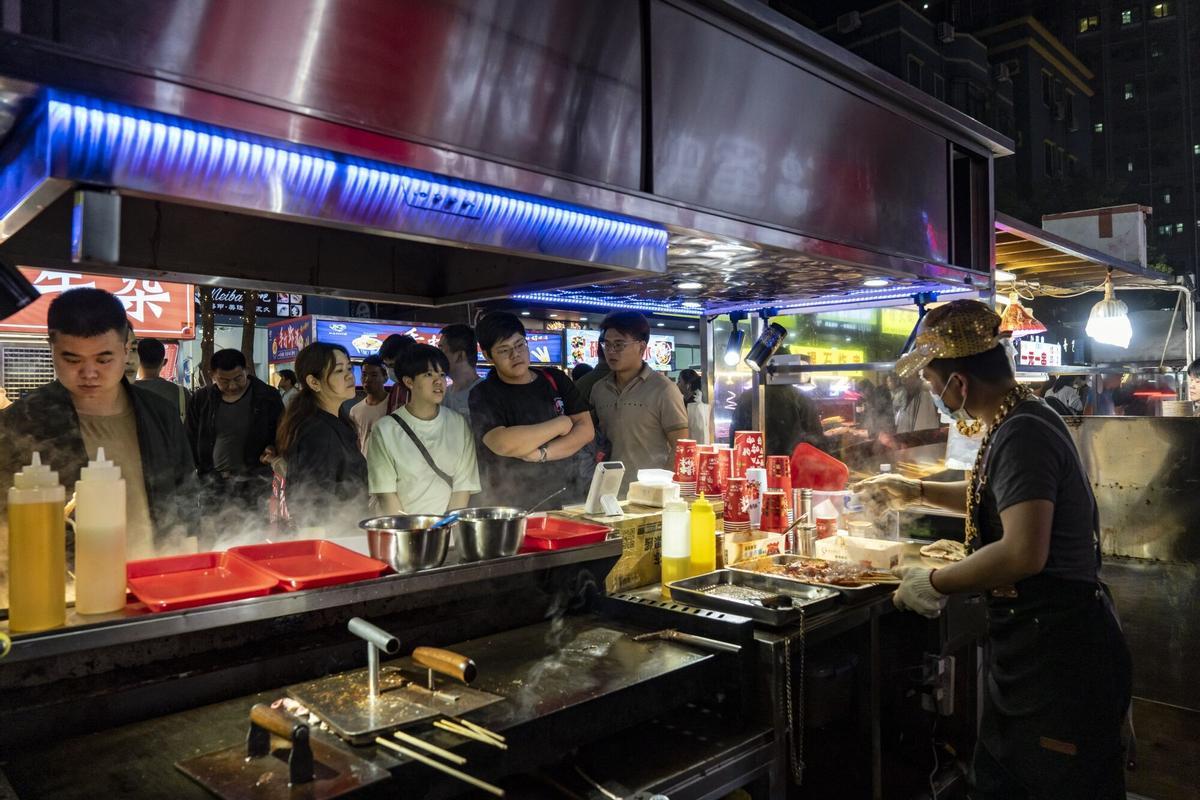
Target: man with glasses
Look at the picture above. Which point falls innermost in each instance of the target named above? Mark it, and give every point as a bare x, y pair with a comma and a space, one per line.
534, 431
640, 411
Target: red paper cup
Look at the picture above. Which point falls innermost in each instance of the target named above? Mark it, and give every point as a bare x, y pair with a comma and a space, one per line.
685, 461
709, 475
826, 527
749, 451
737, 502
774, 516
779, 476
724, 464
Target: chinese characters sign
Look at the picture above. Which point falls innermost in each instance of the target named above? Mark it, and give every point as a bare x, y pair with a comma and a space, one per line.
155, 308
268, 304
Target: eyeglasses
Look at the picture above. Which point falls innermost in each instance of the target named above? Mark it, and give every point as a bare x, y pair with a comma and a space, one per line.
619, 345
507, 353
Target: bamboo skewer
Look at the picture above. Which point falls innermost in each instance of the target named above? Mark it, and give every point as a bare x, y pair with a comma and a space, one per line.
453, 758
467, 733
451, 771
466, 723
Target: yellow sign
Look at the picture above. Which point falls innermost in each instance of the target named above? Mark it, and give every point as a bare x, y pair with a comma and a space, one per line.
897, 321
821, 354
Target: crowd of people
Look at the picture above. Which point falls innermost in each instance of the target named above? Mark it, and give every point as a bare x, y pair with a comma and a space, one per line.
426, 434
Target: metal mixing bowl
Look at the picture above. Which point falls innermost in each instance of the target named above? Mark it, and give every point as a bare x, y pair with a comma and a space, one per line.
490, 532
405, 543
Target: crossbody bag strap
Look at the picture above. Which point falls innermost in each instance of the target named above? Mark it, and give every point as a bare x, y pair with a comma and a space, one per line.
424, 452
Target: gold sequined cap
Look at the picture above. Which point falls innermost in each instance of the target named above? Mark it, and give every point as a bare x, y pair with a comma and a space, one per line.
958, 329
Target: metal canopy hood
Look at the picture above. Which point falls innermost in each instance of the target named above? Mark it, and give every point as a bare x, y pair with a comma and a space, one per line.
441, 151
180, 171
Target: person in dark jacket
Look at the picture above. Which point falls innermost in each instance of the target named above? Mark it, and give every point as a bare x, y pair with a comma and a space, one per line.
231, 425
326, 484
90, 405
791, 418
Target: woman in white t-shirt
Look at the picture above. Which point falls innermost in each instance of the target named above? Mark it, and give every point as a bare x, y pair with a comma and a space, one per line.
689, 383
421, 457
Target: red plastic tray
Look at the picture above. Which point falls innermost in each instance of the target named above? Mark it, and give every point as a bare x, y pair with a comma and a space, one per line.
176, 582
309, 563
555, 533
814, 469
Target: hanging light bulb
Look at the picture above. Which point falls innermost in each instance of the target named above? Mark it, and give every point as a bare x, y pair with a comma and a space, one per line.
1108, 322
1018, 320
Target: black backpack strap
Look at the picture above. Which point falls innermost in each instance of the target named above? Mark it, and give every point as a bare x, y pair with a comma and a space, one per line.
424, 452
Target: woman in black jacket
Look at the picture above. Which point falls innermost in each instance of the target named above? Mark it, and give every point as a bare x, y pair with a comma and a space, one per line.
326, 473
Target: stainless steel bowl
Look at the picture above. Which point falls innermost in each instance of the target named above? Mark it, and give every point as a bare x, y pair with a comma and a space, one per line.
406, 543
490, 532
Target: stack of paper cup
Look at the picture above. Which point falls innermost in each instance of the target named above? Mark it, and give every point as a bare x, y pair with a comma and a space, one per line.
707, 472
756, 484
737, 506
749, 452
779, 476
686, 467
724, 464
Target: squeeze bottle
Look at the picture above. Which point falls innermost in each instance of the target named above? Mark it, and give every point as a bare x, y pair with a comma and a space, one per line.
99, 537
676, 544
37, 550
704, 537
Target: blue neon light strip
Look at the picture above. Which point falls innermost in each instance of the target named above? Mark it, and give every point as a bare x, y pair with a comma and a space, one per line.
621, 303
109, 144
876, 296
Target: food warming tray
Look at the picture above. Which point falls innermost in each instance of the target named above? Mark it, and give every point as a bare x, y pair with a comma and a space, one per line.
740, 593
756, 566
555, 533
309, 563
177, 582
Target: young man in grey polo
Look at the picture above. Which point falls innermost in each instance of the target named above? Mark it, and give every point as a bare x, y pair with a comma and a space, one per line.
640, 411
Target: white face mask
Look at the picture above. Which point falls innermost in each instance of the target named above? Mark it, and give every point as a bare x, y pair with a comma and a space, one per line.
959, 415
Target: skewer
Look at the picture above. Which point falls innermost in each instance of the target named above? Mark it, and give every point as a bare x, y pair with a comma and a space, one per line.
467, 733
453, 758
451, 771
466, 723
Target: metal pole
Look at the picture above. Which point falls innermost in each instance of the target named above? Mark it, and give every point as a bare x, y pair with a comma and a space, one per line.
758, 395
708, 361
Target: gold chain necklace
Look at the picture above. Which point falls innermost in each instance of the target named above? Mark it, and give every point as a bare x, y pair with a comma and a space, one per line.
977, 478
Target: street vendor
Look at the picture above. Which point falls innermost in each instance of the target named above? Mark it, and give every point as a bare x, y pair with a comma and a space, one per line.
1058, 681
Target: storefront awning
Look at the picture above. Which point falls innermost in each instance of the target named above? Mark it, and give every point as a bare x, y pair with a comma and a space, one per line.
1034, 255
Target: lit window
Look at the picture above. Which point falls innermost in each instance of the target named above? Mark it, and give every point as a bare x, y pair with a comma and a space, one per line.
1166, 198
1129, 91
1160, 10
1089, 24
1179, 227
1127, 16
1196, 149
1129, 165
1098, 127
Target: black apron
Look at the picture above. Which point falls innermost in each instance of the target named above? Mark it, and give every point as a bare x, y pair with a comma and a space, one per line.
1058, 683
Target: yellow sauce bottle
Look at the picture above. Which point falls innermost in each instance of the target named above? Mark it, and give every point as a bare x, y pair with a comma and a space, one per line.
704, 537
37, 550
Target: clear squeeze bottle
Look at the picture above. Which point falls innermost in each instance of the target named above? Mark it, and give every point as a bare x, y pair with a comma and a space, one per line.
99, 537
37, 550
704, 537
676, 544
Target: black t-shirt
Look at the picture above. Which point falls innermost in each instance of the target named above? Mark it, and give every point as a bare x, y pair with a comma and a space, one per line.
1032, 457
496, 404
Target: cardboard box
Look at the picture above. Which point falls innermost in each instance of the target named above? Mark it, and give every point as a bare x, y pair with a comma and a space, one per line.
749, 544
640, 529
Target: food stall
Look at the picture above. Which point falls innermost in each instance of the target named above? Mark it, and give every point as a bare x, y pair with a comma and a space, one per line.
320, 173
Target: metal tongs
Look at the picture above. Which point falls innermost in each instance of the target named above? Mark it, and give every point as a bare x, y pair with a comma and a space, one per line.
690, 638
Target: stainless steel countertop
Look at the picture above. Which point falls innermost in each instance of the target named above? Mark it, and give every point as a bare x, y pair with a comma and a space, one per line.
135, 623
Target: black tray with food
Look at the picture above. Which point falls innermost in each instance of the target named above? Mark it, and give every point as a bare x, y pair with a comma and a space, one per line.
853, 581
762, 598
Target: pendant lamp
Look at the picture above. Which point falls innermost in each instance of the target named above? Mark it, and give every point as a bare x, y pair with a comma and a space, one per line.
1108, 323
1018, 320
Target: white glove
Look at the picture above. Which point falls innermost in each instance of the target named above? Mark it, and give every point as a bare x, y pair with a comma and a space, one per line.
887, 492
915, 593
